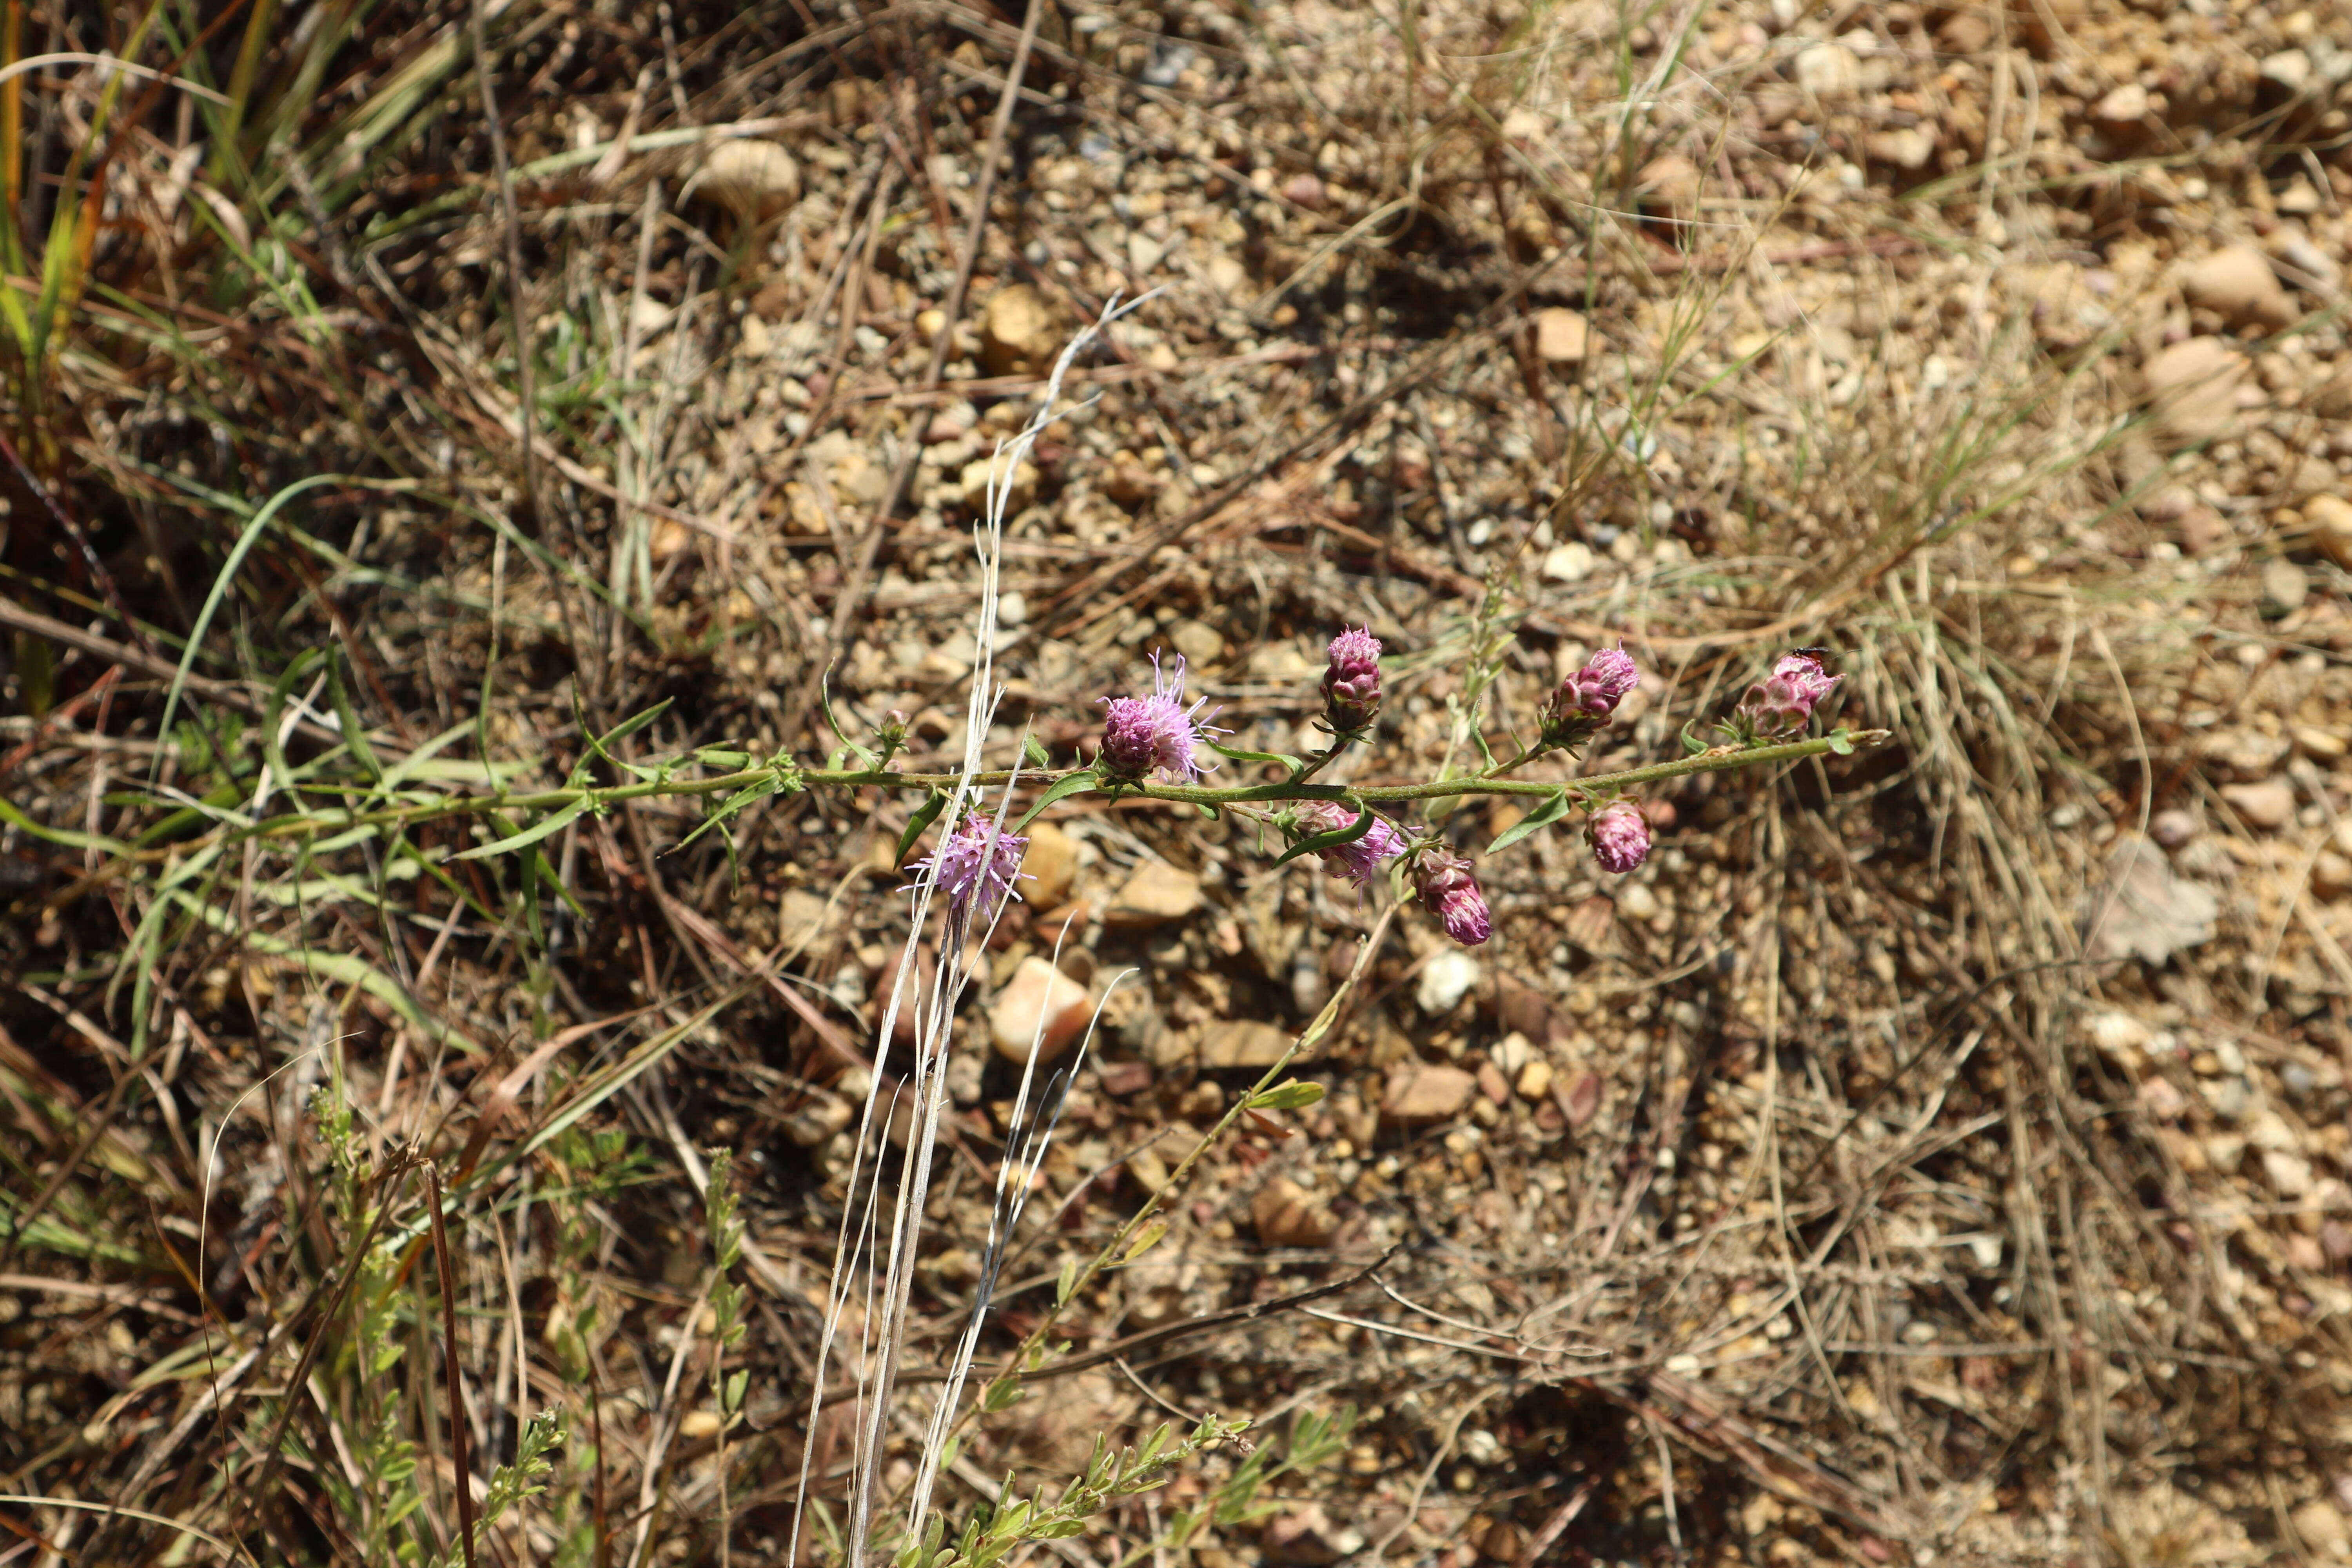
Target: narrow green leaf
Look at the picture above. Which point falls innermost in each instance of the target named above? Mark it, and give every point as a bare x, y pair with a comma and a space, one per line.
925, 814
1144, 1242
733, 804
1296, 766
1290, 1096
1841, 742
1061, 789
1692, 744
1068, 1283
538, 830
1549, 810
1034, 750
1316, 843
354, 733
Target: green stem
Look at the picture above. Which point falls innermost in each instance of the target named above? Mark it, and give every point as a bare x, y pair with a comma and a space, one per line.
599, 797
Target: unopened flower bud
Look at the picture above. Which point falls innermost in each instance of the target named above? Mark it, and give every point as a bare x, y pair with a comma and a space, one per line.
892, 732
1583, 703
1447, 890
1351, 686
1621, 835
1360, 860
1782, 702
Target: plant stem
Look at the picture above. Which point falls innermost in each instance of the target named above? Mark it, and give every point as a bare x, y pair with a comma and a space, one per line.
598, 798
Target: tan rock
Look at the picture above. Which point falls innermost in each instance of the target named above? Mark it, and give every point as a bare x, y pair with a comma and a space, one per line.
1965, 32
1241, 1043
2268, 806
2320, 744
2330, 518
1038, 990
755, 180
1020, 483
1153, 894
1052, 866
2237, 284
1827, 71
2331, 875
1019, 331
1306, 1536
2321, 1524
1425, 1091
2122, 106
1667, 186
1535, 1080
1288, 1215
2192, 389
1561, 336
1907, 147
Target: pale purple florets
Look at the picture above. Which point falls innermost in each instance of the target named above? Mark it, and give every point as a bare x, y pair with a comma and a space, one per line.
1351, 686
1362, 861
1621, 835
1583, 701
1782, 702
1449, 891
977, 867
1140, 733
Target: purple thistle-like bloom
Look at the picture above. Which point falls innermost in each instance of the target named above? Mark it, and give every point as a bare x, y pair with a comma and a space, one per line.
977, 868
1351, 687
1782, 702
1140, 733
1583, 701
1449, 891
1360, 861
1621, 835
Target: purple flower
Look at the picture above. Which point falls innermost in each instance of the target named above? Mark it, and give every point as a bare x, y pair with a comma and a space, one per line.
977, 867
1782, 702
1621, 835
1351, 687
1584, 701
1360, 861
1449, 891
1140, 733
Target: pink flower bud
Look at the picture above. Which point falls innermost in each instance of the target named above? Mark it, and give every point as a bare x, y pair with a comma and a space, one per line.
1584, 701
1448, 890
1621, 835
1360, 861
1351, 687
1782, 702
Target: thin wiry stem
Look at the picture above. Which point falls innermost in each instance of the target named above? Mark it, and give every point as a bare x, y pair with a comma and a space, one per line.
598, 798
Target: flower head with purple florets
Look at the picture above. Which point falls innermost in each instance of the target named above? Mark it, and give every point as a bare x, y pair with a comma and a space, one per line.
978, 864
1448, 890
1351, 686
1621, 835
1140, 733
1782, 702
1584, 700
1360, 860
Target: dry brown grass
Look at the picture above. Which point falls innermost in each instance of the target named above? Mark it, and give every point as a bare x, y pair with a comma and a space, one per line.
1863, 1214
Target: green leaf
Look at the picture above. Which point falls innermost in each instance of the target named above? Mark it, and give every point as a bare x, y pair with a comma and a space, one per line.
1061, 789
528, 836
1034, 750
735, 1386
1144, 1243
1002, 1394
1292, 1095
1692, 744
1316, 843
1067, 1284
1550, 810
925, 814
354, 733
1841, 742
1239, 754
824, 700
733, 804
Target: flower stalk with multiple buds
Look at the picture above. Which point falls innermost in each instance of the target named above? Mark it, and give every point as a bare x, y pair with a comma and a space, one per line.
1342, 824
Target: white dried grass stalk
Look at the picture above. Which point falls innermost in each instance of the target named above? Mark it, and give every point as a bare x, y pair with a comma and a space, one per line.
886, 1290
